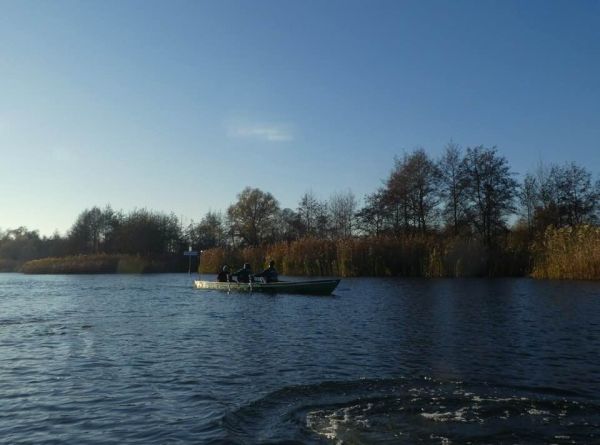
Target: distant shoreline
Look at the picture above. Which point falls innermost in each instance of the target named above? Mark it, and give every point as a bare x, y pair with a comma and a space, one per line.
564, 254
101, 264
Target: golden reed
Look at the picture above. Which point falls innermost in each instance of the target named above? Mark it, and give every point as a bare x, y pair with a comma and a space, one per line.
568, 253
95, 264
415, 255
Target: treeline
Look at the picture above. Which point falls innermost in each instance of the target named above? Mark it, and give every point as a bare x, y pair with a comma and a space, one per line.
464, 213
471, 194
101, 237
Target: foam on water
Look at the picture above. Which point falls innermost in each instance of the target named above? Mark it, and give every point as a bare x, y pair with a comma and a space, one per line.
405, 411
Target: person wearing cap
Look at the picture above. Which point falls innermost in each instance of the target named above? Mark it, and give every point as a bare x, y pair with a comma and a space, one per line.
224, 276
243, 275
270, 274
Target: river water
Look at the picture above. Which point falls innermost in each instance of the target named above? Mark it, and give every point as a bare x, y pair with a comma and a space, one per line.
149, 360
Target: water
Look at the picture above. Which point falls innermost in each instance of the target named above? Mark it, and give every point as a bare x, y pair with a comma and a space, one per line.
149, 360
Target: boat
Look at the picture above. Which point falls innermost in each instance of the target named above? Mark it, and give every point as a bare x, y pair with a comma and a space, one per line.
313, 287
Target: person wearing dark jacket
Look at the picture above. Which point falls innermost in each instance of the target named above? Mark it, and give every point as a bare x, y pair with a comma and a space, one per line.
244, 275
270, 274
224, 276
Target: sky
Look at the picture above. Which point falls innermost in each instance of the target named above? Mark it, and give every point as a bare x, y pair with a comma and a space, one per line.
176, 106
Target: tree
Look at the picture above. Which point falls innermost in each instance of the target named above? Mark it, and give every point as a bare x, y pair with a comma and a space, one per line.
210, 232
491, 191
528, 198
289, 225
577, 195
452, 186
313, 215
94, 230
20, 244
253, 217
424, 186
412, 192
372, 217
546, 208
342, 209
564, 195
396, 197
143, 232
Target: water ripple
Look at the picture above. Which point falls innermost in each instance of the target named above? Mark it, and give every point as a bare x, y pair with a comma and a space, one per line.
148, 360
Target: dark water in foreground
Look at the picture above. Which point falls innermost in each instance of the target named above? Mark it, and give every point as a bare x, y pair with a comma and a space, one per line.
149, 360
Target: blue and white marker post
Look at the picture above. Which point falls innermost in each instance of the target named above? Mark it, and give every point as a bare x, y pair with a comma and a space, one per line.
190, 253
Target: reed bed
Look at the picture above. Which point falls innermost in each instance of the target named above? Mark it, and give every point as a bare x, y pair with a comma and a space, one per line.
568, 253
565, 253
98, 264
408, 256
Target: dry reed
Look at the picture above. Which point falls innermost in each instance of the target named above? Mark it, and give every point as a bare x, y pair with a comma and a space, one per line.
414, 255
97, 264
568, 253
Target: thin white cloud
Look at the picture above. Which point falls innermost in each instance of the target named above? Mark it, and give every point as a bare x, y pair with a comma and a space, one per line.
263, 132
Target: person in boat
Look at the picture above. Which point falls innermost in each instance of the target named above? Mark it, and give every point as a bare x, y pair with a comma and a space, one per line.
270, 274
224, 275
244, 275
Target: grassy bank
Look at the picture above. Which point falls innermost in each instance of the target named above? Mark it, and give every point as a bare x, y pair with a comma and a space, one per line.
99, 264
571, 253
409, 256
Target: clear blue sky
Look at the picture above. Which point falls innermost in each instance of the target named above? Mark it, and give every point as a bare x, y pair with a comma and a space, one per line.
177, 105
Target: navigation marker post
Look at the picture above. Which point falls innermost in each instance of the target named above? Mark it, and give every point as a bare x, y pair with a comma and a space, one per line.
190, 253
